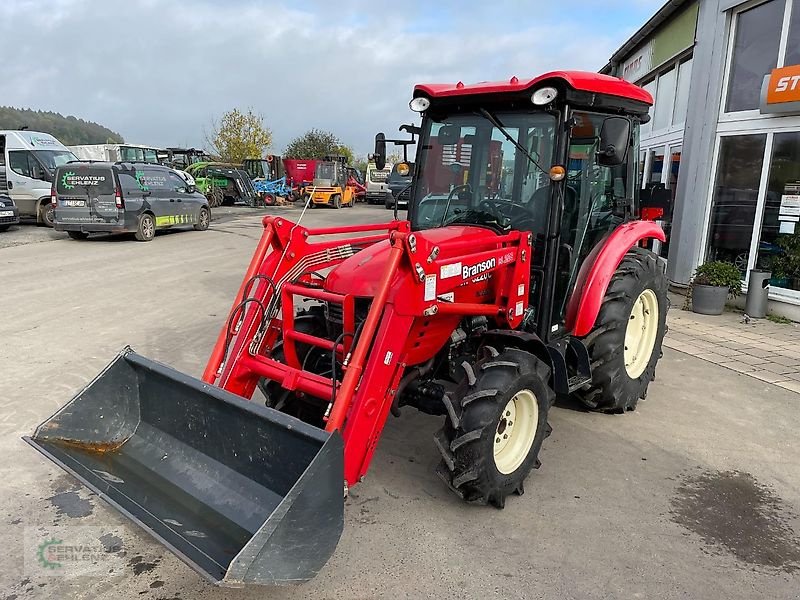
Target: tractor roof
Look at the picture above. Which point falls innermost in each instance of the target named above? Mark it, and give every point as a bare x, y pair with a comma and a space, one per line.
582, 81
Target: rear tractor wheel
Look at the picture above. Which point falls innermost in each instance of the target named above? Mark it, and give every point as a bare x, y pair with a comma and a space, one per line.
495, 425
215, 197
336, 200
625, 344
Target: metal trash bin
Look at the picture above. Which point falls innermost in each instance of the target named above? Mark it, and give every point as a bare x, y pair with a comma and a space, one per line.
757, 294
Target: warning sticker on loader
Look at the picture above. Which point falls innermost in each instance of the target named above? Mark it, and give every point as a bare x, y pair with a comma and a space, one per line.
430, 287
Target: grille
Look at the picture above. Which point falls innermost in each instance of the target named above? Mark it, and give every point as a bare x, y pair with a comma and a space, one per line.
334, 312
8, 220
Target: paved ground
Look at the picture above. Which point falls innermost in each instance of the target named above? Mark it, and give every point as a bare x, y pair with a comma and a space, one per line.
757, 348
694, 495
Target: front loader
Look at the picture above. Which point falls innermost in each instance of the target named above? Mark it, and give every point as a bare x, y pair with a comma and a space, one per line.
519, 275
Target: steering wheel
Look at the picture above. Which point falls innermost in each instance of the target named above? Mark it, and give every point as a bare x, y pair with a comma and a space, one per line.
466, 187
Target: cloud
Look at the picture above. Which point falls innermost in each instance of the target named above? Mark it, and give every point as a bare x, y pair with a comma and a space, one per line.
158, 72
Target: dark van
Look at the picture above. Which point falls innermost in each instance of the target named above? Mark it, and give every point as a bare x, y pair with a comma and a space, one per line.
120, 197
399, 181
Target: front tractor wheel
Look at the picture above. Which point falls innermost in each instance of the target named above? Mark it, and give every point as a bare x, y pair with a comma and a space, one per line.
625, 344
495, 425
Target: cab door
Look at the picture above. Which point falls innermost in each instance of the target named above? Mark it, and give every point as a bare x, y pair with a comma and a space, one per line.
23, 171
158, 197
185, 209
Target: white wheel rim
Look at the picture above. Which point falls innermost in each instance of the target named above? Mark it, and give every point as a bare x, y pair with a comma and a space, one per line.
640, 333
516, 431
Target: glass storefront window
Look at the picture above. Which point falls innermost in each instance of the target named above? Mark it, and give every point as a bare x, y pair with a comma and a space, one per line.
755, 52
733, 207
656, 165
779, 244
665, 99
650, 86
682, 93
793, 43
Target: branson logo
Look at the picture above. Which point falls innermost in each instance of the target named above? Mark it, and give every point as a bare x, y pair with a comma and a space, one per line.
476, 269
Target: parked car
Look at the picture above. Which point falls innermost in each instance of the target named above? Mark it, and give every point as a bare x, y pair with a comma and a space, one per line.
9, 213
28, 160
106, 197
399, 181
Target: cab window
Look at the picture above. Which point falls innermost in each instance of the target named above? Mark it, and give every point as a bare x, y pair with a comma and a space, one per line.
176, 183
23, 163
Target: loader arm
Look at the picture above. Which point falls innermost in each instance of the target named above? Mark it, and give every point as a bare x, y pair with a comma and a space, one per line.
427, 300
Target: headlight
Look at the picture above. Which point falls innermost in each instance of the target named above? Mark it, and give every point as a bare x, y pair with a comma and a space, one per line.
544, 96
419, 104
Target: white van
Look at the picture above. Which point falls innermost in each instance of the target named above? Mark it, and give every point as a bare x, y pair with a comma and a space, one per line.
117, 153
28, 160
377, 183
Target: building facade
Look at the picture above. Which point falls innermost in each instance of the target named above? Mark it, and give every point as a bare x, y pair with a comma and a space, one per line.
721, 153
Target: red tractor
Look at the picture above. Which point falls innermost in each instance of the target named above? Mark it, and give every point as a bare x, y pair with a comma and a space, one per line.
519, 276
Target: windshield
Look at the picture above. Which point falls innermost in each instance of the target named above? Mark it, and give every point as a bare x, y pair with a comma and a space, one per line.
325, 174
150, 156
472, 173
52, 159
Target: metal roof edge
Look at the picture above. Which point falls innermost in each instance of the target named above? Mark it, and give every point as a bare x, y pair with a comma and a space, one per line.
658, 19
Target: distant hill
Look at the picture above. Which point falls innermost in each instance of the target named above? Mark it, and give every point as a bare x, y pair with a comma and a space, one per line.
68, 130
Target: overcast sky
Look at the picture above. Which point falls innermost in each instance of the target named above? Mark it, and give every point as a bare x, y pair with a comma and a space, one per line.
159, 72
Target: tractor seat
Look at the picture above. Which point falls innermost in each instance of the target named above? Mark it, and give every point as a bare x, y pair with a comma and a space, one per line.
539, 208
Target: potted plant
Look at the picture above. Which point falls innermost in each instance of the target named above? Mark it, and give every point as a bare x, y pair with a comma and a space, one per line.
786, 266
713, 283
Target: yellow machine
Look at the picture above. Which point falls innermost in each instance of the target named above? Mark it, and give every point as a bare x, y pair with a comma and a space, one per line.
331, 184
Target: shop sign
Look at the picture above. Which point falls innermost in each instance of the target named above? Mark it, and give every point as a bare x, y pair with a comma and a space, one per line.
780, 91
638, 65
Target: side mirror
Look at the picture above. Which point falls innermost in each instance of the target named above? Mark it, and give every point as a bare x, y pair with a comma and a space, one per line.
380, 151
190, 189
614, 137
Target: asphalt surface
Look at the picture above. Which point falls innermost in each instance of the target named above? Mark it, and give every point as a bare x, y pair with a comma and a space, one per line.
696, 494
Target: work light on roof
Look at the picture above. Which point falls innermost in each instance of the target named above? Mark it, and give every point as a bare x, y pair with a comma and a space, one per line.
544, 96
419, 104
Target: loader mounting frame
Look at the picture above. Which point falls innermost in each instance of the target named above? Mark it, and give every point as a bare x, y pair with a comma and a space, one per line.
283, 269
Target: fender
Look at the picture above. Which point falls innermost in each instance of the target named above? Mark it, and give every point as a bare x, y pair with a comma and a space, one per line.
598, 268
530, 342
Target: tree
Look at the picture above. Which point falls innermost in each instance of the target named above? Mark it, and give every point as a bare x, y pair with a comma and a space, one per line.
317, 143
394, 157
346, 151
239, 135
359, 164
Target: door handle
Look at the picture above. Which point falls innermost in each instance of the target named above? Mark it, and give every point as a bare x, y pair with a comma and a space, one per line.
172, 199
10, 185
179, 200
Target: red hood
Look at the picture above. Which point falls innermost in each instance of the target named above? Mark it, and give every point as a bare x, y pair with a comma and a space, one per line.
359, 274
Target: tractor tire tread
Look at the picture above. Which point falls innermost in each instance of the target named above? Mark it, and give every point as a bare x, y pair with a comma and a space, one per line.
611, 389
467, 465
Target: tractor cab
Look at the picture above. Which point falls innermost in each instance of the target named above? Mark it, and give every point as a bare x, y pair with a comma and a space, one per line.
268, 169
554, 156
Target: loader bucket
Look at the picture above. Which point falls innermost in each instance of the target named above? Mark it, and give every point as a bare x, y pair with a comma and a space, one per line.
240, 492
